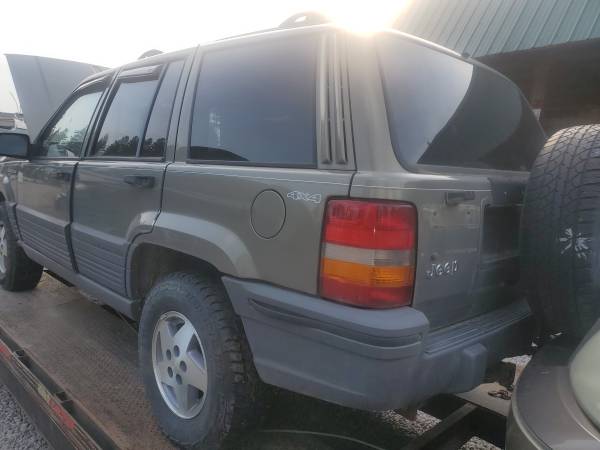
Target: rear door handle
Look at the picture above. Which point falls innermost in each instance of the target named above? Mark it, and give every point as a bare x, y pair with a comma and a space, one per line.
141, 181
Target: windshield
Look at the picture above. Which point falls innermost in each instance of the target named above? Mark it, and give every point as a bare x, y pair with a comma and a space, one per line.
445, 111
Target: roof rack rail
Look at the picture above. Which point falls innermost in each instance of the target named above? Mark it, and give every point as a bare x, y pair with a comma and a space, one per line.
149, 53
304, 19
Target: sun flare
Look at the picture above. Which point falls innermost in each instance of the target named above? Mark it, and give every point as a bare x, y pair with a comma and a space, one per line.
364, 17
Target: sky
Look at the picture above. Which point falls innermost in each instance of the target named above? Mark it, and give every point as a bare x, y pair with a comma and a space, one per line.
112, 32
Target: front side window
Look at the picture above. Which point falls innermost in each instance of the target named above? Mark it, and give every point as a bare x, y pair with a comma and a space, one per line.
65, 138
123, 126
256, 104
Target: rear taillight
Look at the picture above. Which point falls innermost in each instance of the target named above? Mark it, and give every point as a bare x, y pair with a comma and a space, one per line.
368, 255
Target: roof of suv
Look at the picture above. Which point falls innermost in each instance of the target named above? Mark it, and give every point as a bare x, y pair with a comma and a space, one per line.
274, 33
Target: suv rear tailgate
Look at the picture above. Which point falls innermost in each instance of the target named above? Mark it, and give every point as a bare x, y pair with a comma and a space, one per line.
456, 139
467, 248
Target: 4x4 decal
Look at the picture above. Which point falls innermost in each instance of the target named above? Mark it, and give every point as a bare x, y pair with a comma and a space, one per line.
297, 195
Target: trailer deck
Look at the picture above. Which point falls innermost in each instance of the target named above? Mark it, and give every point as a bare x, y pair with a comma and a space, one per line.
87, 352
72, 365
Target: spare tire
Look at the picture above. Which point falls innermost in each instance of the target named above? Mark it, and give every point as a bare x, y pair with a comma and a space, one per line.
560, 241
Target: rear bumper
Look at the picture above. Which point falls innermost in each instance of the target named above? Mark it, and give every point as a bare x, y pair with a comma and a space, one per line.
369, 359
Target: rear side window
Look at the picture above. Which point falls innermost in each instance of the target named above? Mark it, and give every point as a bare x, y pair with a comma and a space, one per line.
138, 117
256, 104
123, 126
445, 111
64, 139
155, 140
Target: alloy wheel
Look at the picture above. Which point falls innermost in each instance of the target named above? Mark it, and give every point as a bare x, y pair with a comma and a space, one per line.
179, 364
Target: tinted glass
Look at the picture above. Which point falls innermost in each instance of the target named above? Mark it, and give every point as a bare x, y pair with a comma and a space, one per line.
65, 138
256, 103
156, 133
124, 123
445, 111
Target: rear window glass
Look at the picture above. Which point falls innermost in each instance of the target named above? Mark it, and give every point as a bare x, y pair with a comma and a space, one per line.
256, 104
445, 111
125, 120
155, 140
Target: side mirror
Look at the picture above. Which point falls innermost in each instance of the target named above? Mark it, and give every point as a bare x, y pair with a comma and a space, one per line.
14, 145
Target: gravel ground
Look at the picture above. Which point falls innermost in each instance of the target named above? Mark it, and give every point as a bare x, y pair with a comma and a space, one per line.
16, 430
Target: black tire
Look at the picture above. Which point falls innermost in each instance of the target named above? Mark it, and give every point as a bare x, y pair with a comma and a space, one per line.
21, 273
561, 232
233, 399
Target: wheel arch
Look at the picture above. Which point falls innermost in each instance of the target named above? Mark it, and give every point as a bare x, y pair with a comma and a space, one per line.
183, 243
8, 187
149, 262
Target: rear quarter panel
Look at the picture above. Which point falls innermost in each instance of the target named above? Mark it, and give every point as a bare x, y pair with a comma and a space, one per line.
207, 213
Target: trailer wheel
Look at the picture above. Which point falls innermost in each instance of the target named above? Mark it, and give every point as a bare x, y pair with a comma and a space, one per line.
561, 232
197, 368
17, 271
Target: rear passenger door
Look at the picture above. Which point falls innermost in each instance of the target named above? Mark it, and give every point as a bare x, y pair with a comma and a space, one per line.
117, 189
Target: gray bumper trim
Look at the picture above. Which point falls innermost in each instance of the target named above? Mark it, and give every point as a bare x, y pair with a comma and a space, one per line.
368, 359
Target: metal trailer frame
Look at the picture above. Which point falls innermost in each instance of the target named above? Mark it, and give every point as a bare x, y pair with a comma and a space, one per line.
62, 423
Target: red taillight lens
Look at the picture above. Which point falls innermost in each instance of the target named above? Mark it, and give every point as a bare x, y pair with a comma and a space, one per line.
370, 225
368, 256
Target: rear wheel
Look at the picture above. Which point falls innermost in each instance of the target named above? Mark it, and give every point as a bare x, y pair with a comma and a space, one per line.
195, 362
561, 232
17, 271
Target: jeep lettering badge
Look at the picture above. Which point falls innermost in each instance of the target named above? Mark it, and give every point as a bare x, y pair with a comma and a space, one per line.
442, 269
